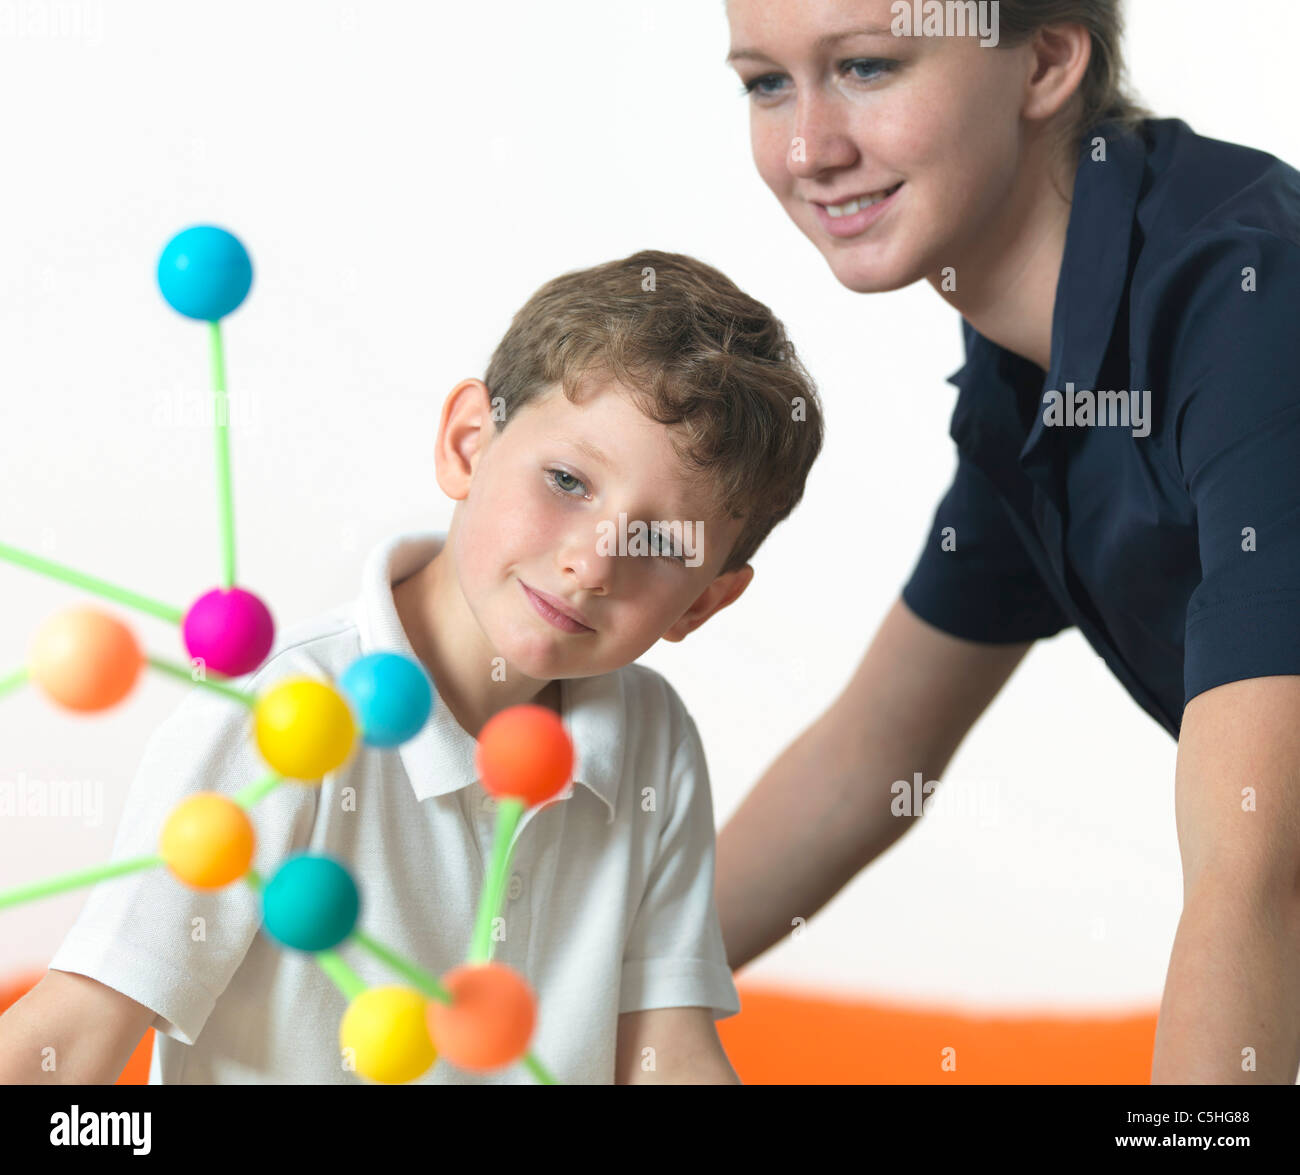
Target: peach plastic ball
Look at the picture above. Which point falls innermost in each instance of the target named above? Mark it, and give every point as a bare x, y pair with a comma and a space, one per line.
304, 728
85, 659
524, 752
385, 1030
207, 841
490, 1020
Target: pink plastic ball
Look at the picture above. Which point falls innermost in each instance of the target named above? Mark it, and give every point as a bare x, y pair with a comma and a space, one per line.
231, 630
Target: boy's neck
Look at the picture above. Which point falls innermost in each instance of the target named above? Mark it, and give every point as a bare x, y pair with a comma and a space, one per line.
446, 638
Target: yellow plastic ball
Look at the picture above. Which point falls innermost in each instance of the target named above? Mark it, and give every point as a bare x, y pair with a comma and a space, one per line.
304, 728
387, 1033
207, 841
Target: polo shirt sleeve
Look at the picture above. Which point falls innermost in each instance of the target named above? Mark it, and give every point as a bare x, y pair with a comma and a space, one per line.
146, 934
1235, 379
985, 587
674, 955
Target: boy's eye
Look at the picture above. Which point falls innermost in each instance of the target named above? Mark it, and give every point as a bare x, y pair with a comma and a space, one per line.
664, 547
563, 481
562, 484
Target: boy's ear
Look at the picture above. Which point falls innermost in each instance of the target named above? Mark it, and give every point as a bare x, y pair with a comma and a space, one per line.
724, 590
465, 426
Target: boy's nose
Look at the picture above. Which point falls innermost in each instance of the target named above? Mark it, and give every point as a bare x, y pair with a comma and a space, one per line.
583, 559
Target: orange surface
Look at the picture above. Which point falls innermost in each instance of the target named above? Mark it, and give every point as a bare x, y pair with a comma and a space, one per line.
786, 1038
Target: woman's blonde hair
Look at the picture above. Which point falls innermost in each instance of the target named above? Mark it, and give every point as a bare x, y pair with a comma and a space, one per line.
1103, 94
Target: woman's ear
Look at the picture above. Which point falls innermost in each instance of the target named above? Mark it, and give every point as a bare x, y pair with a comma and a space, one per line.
464, 430
1059, 57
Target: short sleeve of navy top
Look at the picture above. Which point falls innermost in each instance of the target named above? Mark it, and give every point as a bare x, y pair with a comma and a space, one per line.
1164, 520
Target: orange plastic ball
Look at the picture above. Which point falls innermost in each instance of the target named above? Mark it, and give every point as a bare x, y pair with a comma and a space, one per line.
85, 659
490, 1020
524, 752
207, 841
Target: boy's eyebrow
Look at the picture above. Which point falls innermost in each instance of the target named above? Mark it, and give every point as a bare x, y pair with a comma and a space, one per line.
594, 453
822, 42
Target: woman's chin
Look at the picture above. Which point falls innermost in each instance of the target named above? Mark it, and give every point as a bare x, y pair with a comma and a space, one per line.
864, 276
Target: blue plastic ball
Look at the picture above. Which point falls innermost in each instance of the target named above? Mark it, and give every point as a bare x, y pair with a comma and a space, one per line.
205, 272
392, 696
311, 904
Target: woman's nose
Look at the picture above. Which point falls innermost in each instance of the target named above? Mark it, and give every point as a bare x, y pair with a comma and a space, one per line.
820, 139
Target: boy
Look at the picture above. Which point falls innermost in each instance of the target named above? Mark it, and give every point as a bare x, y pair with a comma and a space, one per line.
649, 389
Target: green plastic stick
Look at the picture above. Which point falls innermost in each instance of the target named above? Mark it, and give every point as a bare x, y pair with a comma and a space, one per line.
54, 885
254, 880
345, 979
255, 792
186, 674
419, 979
91, 584
11, 681
221, 418
508, 813
538, 1070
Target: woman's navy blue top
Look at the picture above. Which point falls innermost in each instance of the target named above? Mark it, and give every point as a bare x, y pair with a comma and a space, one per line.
1176, 553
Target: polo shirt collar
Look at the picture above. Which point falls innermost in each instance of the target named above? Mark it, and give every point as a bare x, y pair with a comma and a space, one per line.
1094, 276
440, 759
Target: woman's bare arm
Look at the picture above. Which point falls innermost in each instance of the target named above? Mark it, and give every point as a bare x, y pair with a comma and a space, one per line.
822, 810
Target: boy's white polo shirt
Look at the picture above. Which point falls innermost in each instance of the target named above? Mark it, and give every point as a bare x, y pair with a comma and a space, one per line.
609, 906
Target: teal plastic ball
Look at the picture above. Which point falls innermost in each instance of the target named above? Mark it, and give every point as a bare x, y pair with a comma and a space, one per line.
205, 272
392, 697
311, 904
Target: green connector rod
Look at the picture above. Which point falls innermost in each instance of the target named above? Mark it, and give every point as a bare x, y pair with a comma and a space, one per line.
345, 979
186, 674
509, 812
11, 681
54, 885
419, 979
538, 1070
221, 421
90, 583
255, 792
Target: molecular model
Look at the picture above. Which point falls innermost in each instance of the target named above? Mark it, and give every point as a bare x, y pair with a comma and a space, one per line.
479, 1016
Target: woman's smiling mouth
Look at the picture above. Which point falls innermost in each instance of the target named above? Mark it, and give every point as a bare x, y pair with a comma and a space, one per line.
849, 217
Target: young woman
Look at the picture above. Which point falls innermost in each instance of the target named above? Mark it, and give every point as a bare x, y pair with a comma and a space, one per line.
1128, 436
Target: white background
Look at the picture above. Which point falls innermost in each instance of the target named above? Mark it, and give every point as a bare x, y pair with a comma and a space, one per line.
405, 175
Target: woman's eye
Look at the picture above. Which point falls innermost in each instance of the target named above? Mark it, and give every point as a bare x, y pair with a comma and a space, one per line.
858, 69
758, 85
870, 67
563, 481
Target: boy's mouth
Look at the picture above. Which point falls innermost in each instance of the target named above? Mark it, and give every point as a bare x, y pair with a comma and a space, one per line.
550, 609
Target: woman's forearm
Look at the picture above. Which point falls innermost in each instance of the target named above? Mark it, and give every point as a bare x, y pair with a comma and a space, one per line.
1231, 1008
813, 820
825, 808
